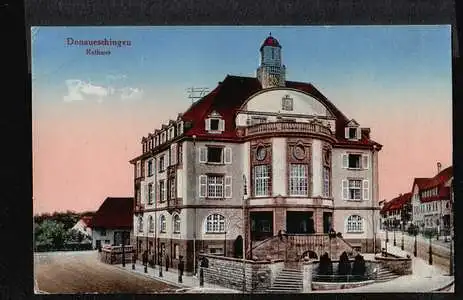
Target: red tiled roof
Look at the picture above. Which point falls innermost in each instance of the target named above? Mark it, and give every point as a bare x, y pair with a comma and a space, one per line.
439, 179
420, 182
115, 212
397, 202
228, 97
87, 220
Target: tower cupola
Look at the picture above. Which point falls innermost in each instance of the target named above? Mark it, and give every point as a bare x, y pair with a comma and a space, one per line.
271, 72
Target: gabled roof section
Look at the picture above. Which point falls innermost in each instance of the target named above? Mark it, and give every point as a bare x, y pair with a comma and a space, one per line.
420, 182
439, 179
397, 202
352, 123
115, 212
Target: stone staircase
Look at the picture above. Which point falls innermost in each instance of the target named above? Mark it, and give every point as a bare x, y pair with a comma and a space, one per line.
384, 274
288, 281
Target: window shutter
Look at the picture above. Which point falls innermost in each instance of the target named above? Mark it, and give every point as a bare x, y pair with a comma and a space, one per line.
345, 160
345, 189
202, 186
228, 155
164, 190
346, 132
228, 186
202, 154
208, 124
359, 133
221, 125
365, 161
366, 190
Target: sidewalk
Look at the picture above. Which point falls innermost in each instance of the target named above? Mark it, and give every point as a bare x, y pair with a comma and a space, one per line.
421, 239
171, 277
425, 278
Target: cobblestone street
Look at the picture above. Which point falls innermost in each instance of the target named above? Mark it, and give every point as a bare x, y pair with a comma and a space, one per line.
82, 272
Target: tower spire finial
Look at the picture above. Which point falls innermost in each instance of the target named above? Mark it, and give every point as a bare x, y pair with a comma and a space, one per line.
270, 34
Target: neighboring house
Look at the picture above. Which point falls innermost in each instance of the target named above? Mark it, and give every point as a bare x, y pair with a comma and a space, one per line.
84, 226
434, 208
397, 212
300, 165
112, 221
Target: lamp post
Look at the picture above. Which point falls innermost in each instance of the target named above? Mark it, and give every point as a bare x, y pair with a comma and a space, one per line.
123, 250
387, 235
244, 232
394, 227
415, 233
402, 224
430, 248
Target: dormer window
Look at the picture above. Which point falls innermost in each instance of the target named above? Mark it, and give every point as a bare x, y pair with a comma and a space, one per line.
215, 123
171, 133
352, 131
180, 128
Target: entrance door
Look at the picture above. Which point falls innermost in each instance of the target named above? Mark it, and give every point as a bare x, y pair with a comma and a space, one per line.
118, 238
300, 222
98, 244
327, 221
238, 246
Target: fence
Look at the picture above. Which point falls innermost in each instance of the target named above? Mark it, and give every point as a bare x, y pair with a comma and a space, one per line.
66, 247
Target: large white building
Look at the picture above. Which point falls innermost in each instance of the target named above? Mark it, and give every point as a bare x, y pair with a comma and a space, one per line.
282, 148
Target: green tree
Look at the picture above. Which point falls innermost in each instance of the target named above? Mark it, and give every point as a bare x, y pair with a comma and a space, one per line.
51, 233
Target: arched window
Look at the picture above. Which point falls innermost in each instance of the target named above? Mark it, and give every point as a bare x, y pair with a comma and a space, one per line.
162, 223
176, 224
354, 224
151, 224
140, 224
215, 223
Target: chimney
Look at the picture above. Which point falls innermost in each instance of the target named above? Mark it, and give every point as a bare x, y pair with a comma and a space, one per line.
439, 167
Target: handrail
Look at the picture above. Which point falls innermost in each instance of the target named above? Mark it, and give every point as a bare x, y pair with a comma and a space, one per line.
287, 127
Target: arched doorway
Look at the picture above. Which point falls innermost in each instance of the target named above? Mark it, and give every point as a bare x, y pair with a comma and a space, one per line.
238, 247
310, 254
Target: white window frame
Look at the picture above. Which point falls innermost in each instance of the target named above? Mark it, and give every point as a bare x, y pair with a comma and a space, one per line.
357, 133
347, 187
176, 223
299, 180
162, 224
215, 186
287, 103
354, 224
261, 180
215, 223
220, 127
162, 190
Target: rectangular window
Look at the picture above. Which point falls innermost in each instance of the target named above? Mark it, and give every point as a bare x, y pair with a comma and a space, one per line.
138, 169
298, 181
162, 163
352, 133
214, 154
354, 161
162, 191
355, 190
215, 124
150, 193
326, 181
150, 168
215, 186
287, 103
261, 180
103, 232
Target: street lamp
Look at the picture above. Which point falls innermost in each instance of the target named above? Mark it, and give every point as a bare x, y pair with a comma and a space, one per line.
394, 227
402, 224
430, 248
244, 233
415, 233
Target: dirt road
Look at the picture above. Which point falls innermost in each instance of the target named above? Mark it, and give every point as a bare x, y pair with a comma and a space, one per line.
82, 272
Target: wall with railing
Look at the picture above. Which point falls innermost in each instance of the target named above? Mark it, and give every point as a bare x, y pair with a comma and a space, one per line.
114, 254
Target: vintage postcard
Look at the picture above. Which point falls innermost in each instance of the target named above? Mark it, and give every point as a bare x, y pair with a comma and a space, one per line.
242, 159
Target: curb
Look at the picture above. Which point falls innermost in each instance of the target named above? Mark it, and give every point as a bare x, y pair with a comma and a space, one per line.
445, 287
176, 284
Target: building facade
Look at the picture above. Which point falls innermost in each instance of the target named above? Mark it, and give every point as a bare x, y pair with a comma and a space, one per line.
397, 213
255, 157
432, 201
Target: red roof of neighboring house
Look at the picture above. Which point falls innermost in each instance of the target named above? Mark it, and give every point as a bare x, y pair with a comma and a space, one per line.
115, 212
439, 179
87, 220
228, 97
420, 182
397, 202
